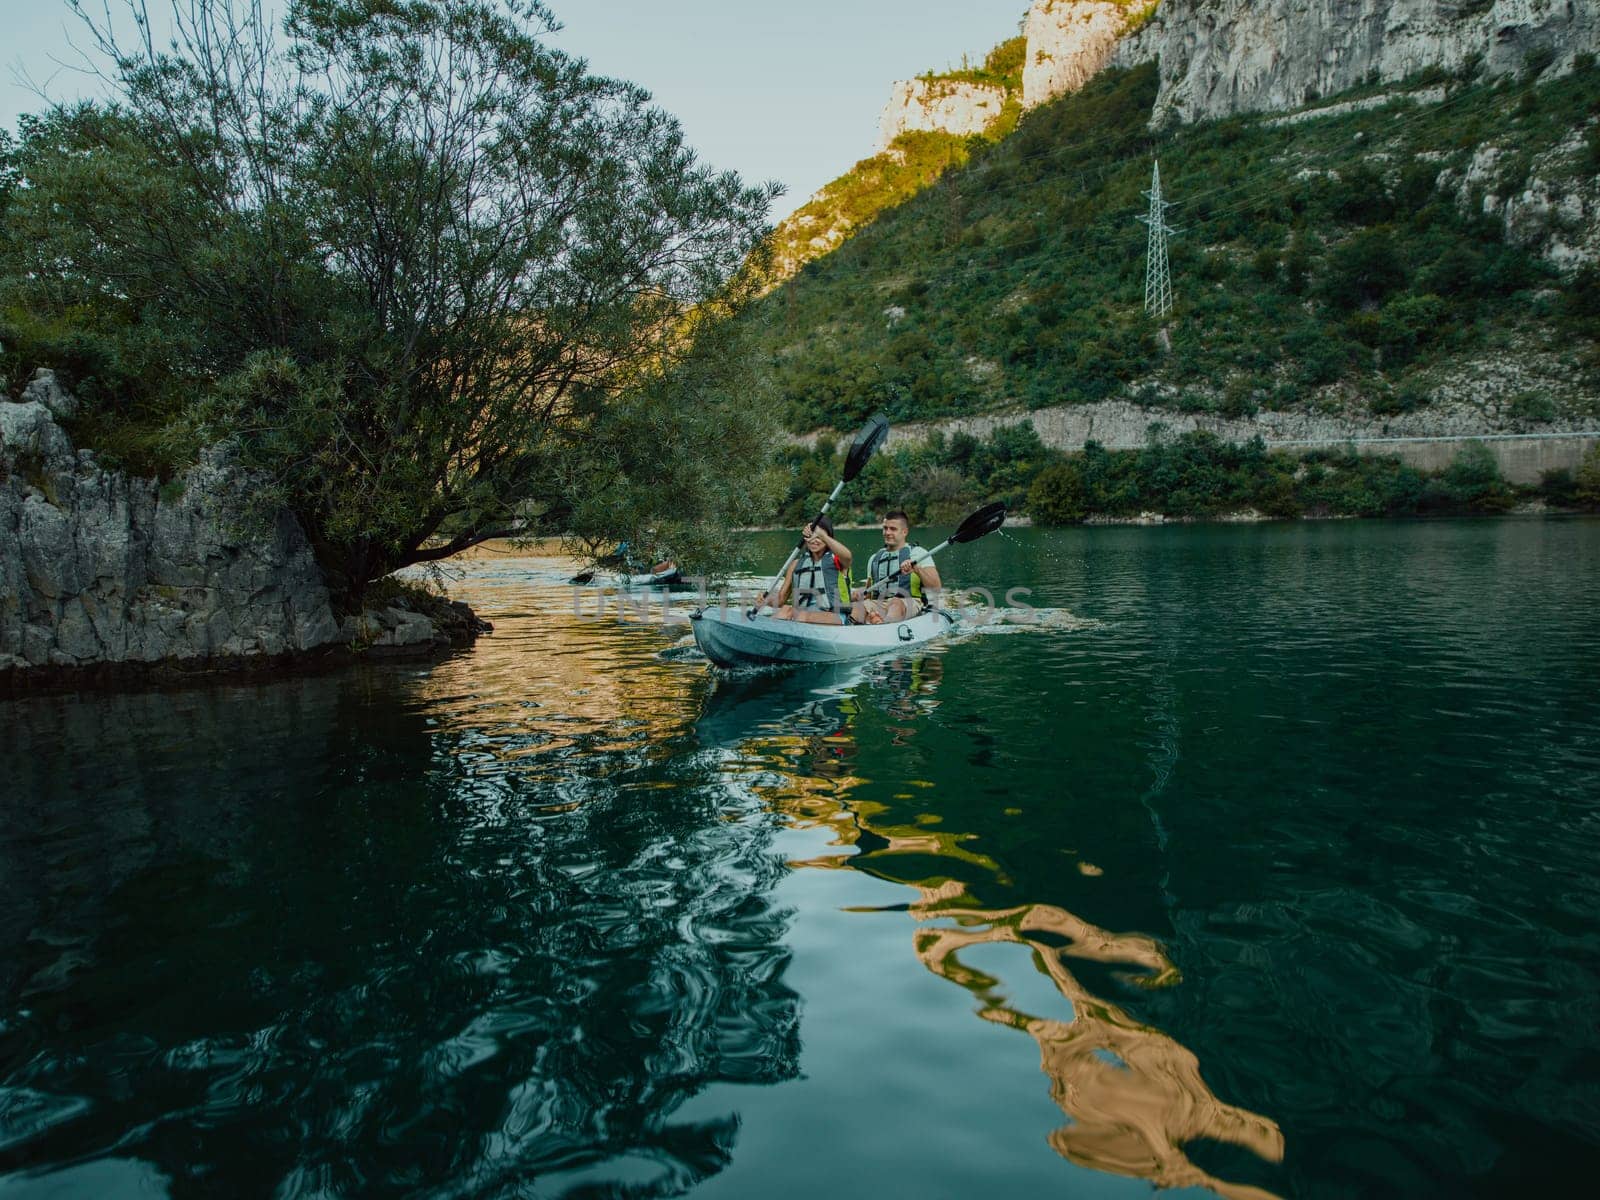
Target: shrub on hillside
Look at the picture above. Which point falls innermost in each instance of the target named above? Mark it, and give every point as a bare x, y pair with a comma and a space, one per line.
1472, 482
1406, 324
1057, 496
1364, 270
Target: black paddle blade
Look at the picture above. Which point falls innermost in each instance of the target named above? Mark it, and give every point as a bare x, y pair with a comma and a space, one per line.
986, 520
866, 443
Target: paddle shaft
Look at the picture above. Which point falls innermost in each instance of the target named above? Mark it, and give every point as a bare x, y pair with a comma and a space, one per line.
777, 580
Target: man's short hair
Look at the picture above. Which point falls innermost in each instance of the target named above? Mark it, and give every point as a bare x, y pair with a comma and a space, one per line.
898, 514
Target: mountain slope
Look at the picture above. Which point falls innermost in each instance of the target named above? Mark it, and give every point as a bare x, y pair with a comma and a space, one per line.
1356, 261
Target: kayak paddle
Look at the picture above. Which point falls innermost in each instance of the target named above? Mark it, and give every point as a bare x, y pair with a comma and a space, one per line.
866, 443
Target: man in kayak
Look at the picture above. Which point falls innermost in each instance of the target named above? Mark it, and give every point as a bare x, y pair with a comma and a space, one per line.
897, 577
816, 579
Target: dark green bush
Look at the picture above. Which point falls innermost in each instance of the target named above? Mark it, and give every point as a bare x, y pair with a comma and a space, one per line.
1472, 482
1364, 269
1058, 496
1406, 324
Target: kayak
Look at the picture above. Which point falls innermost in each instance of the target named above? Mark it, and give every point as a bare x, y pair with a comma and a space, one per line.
651, 578
668, 579
729, 637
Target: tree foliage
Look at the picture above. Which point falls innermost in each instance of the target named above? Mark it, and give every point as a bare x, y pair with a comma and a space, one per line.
425, 271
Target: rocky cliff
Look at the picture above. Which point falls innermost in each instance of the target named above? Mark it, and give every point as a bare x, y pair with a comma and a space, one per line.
1219, 57
101, 568
947, 106
1068, 42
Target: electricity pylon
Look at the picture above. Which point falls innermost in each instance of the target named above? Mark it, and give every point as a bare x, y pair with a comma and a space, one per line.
1157, 275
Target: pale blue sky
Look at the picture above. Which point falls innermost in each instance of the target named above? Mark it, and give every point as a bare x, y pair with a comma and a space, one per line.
787, 91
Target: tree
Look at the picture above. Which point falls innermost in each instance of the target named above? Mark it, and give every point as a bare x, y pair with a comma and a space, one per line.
1058, 495
1364, 269
425, 272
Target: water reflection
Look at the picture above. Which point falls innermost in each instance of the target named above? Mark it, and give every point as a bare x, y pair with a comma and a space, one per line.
390, 931
1133, 1097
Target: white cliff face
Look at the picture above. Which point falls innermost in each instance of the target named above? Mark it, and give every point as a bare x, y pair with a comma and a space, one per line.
1554, 212
937, 105
1220, 57
1069, 41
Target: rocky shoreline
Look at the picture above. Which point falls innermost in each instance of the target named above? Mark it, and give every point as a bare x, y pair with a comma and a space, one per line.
107, 578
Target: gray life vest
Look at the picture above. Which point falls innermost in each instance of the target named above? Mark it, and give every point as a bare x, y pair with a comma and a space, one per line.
886, 564
816, 583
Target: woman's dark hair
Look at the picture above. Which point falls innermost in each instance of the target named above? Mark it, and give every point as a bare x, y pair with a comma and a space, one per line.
824, 524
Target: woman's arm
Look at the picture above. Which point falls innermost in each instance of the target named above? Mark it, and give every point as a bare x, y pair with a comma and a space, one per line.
831, 542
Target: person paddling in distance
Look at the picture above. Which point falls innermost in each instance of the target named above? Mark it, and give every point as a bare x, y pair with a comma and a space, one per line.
813, 582
898, 577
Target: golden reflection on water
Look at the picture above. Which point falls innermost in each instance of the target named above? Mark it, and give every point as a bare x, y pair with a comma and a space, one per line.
551, 681
1133, 1096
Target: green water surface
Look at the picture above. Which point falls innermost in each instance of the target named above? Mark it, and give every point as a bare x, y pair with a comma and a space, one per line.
1244, 860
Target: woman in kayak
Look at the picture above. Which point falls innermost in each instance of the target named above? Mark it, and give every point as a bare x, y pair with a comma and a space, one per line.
820, 580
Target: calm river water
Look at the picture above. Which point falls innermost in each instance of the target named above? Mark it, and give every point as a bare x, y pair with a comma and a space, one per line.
1264, 863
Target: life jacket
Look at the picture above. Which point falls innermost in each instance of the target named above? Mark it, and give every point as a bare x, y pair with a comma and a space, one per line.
886, 564
816, 583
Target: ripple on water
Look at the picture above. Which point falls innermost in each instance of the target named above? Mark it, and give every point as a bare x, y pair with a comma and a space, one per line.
485, 926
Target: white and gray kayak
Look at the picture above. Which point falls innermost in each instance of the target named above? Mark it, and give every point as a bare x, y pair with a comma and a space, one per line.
730, 637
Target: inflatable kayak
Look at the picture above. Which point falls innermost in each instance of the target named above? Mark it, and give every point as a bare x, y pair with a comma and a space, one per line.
624, 579
731, 638
651, 578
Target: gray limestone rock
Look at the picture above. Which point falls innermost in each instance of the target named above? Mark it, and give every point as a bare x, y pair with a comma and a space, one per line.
49, 555
1220, 57
29, 432
99, 567
47, 390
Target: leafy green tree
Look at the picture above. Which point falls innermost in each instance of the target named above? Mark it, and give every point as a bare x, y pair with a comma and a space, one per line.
1472, 482
433, 279
1058, 496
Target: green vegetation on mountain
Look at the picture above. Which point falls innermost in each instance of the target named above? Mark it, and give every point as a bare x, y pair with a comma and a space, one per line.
1002, 68
912, 162
1311, 255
